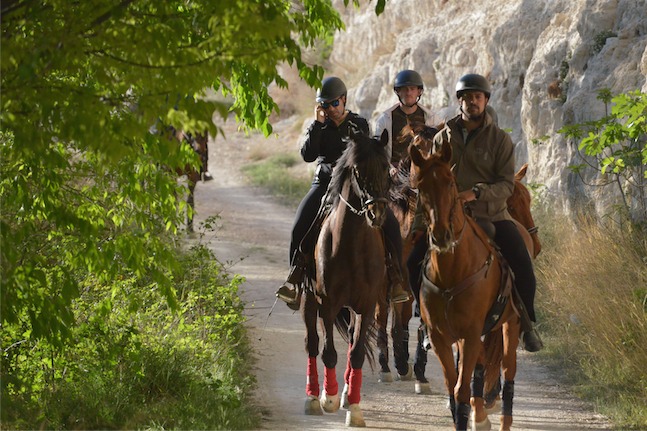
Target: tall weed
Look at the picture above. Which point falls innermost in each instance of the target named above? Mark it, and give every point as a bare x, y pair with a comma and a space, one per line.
592, 287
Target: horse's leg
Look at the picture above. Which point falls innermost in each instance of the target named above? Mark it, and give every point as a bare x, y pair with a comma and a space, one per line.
330, 395
400, 336
382, 316
511, 330
470, 348
190, 204
309, 313
480, 421
419, 367
445, 355
354, 416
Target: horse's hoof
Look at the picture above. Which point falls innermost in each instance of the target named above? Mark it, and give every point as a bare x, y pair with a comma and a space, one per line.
480, 426
408, 376
313, 406
329, 403
423, 388
354, 416
494, 406
385, 377
344, 398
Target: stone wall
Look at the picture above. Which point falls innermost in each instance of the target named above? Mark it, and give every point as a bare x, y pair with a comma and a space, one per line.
546, 60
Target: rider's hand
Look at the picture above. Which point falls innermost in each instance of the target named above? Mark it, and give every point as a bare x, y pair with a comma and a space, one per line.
320, 113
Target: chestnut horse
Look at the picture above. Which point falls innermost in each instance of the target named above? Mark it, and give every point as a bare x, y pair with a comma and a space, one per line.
350, 272
465, 277
519, 208
402, 201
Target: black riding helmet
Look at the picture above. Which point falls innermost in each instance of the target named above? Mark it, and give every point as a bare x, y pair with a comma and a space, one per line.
473, 82
331, 88
408, 78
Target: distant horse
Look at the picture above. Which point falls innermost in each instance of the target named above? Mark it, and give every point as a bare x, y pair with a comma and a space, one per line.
199, 145
350, 272
464, 280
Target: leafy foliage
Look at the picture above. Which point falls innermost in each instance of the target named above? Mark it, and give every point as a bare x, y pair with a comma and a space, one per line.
617, 145
127, 371
86, 176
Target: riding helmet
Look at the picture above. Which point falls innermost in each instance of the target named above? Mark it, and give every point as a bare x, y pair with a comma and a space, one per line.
473, 82
331, 88
406, 78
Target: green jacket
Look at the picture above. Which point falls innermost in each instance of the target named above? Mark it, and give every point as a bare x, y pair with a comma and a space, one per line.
485, 159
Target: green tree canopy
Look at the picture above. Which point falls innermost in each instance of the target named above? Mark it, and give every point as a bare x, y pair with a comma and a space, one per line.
82, 185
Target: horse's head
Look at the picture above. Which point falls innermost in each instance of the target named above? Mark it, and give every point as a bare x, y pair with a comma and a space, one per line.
519, 208
438, 194
365, 163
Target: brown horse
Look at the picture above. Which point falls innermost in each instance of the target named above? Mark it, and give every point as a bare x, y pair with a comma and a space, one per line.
350, 273
465, 278
519, 208
193, 175
402, 200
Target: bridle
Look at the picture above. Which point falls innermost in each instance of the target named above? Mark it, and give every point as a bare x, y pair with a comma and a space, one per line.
362, 187
433, 241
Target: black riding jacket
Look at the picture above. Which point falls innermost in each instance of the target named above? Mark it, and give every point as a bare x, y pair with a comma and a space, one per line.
324, 143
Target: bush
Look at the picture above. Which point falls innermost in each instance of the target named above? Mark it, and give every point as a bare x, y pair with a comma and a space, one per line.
157, 368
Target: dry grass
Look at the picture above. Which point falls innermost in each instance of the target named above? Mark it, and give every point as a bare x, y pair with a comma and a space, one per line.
592, 289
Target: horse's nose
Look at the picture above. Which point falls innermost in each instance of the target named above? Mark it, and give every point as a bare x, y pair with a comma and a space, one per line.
376, 215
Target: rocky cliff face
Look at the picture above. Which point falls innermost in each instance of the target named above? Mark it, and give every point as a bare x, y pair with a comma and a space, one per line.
546, 60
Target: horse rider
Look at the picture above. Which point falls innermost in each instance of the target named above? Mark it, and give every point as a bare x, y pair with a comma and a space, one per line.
408, 87
324, 142
483, 160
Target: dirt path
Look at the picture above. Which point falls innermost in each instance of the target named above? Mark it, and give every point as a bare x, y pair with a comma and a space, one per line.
253, 237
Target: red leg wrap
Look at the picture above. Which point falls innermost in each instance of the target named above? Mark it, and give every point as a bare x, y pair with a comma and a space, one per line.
330, 381
312, 377
355, 385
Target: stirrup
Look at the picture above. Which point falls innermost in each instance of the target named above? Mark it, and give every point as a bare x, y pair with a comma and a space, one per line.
290, 295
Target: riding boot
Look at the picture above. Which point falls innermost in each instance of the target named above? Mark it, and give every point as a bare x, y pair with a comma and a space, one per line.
290, 291
398, 294
531, 341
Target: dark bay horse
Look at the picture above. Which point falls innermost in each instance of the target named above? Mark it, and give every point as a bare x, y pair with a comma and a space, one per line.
198, 143
350, 274
464, 279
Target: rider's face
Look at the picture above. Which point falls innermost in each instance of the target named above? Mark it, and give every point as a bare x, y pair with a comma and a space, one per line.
335, 112
409, 94
473, 103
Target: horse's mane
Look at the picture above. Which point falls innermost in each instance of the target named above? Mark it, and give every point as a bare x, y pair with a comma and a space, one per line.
359, 148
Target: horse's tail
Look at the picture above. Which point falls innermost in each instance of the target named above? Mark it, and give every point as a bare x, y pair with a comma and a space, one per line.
493, 358
343, 325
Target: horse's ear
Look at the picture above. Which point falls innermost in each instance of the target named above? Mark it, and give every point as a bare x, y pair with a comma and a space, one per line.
417, 160
521, 172
446, 151
384, 138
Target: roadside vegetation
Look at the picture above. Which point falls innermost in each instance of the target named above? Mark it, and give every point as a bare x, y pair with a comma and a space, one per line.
183, 367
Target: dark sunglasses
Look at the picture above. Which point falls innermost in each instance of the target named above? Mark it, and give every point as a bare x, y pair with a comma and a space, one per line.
334, 104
